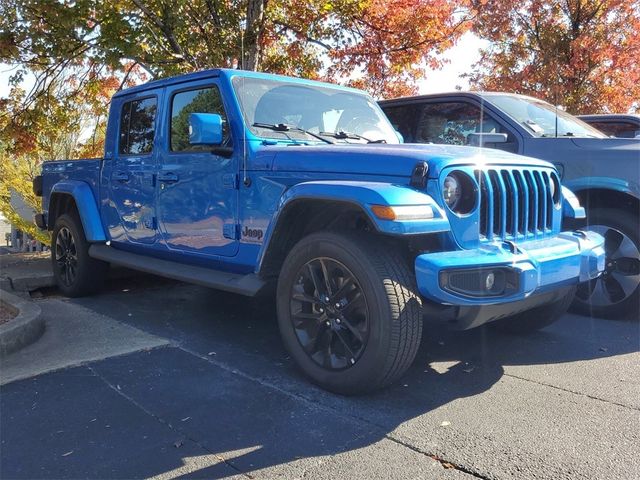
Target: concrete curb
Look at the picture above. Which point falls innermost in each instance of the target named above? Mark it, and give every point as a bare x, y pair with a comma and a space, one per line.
27, 284
24, 329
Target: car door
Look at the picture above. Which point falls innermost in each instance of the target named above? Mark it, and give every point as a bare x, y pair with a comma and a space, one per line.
197, 190
131, 181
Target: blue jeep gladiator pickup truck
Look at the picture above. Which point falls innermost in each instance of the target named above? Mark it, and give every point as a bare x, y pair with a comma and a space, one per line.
604, 173
239, 180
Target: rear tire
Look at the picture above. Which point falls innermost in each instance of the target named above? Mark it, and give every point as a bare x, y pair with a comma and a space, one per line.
76, 273
349, 312
536, 318
616, 292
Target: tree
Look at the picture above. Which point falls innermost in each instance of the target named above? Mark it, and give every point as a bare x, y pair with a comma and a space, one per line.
388, 43
80, 51
60, 122
582, 54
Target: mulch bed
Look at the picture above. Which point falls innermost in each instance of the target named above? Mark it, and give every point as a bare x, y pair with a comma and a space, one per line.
6, 312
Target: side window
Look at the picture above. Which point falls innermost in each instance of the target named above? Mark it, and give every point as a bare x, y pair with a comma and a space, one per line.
403, 119
204, 100
137, 126
617, 129
452, 122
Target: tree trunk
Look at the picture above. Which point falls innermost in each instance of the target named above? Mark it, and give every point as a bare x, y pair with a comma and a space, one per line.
253, 34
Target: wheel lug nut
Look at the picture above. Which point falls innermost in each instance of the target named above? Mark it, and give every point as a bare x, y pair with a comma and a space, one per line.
328, 324
337, 305
337, 320
321, 310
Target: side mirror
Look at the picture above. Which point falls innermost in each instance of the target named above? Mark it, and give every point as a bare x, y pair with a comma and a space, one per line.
205, 129
480, 139
400, 136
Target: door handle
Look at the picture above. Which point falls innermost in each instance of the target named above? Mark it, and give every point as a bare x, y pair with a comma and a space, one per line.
121, 176
168, 177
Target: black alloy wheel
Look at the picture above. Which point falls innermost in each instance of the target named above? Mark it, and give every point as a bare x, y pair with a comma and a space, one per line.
66, 256
349, 311
329, 314
76, 273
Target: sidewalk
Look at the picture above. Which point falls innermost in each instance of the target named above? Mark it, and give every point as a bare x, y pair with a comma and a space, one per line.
20, 272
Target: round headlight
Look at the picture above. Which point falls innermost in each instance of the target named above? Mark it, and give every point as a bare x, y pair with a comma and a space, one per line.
460, 192
451, 191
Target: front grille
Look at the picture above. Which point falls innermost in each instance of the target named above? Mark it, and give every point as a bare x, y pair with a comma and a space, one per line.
515, 202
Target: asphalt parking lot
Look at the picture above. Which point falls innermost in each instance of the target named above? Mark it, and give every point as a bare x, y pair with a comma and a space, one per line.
160, 379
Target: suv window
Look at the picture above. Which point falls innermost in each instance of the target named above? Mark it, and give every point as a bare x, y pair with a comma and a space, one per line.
203, 100
617, 129
137, 126
402, 117
452, 122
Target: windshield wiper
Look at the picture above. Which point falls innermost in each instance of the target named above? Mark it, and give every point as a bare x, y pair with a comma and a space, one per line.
283, 127
342, 135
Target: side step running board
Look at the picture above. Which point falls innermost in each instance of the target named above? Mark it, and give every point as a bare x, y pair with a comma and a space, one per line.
248, 285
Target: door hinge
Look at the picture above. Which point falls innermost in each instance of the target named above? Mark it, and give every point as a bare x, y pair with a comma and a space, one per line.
230, 180
231, 231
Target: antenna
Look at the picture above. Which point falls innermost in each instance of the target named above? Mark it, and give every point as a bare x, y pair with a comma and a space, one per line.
246, 181
481, 121
555, 102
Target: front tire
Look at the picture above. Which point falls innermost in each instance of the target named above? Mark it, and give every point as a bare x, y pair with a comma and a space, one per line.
76, 273
349, 312
616, 292
536, 318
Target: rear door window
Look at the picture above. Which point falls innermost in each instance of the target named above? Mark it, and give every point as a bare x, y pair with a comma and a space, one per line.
617, 129
137, 126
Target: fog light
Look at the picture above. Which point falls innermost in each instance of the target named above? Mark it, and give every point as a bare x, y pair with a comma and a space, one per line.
489, 281
480, 282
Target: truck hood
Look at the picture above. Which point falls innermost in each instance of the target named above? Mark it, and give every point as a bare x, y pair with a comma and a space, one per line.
388, 160
618, 144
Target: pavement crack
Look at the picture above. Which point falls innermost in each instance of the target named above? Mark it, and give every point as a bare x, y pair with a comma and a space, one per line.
164, 422
591, 397
446, 464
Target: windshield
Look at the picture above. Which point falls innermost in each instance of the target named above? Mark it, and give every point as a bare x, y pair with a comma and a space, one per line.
324, 111
539, 117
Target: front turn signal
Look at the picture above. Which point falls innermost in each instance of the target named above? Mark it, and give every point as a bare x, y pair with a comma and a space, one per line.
403, 212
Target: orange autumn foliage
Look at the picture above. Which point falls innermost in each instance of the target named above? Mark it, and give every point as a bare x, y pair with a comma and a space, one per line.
582, 54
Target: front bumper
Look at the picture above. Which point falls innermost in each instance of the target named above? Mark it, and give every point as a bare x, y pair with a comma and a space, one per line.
531, 268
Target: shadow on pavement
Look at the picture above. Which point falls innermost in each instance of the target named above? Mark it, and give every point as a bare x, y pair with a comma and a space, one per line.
268, 414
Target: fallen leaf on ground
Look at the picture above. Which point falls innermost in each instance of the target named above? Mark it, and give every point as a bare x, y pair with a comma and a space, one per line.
179, 442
